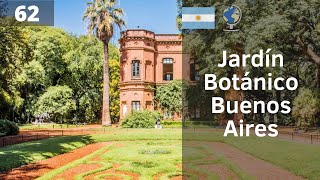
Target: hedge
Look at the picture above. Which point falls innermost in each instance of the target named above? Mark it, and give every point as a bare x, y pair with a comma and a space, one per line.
141, 119
8, 128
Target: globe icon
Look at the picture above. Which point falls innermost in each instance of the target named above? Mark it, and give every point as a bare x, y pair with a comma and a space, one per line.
232, 16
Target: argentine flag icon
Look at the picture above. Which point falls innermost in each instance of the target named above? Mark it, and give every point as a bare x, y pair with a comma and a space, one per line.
198, 18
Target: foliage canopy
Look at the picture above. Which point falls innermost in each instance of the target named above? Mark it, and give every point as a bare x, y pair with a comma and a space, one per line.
45, 57
306, 107
169, 97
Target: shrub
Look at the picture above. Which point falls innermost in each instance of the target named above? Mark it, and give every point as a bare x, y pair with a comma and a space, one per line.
169, 97
188, 123
56, 101
141, 119
305, 108
8, 128
154, 151
171, 123
144, 164
201, 123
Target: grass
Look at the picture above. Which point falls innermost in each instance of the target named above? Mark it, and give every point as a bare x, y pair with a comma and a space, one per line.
47, 126
138, 134
128, 154
25, 153
20, 154
196, 157
300, 159
84, 160
163, 158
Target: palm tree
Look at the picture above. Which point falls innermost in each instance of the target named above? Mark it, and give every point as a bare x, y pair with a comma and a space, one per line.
103, 18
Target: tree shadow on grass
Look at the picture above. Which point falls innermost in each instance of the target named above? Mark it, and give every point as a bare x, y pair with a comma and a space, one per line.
25, 173
25, 153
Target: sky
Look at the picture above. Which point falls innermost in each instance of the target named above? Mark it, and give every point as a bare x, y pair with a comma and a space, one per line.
155, 15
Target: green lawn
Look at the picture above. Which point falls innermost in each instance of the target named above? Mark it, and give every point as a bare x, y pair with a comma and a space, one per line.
145, 158
197, 158
47, 126
21, 154
301, 159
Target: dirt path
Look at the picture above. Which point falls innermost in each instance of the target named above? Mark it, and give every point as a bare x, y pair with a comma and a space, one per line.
253, 166
38, 169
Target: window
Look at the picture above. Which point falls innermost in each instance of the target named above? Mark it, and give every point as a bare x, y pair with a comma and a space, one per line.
198, 112
194, 71
195, 112
167, 61
167, 115
135, 69
135, 105
124, 108
167, 69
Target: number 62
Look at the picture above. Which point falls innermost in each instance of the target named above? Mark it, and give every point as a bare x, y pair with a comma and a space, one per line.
21, 15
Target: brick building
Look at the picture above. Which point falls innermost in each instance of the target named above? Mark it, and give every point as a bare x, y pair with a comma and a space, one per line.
148, 60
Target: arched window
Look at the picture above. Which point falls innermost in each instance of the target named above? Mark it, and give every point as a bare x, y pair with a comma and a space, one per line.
135, 69
167, 64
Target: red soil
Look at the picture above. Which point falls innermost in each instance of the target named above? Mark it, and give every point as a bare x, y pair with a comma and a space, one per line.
176, 178
38, 169
114, 171
220, 170
255, 167
82, 168
158, 176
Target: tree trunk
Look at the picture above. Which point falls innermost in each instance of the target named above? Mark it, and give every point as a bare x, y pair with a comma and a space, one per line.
78, 111
308, 51
106, 120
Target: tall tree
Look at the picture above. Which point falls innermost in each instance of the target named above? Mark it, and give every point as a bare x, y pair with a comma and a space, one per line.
288, 27
14, 53
104, 17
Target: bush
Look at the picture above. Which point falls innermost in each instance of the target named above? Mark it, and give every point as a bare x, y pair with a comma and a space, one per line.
305, 108
56, 101
189, 123
141, 119
171, 123
8, 128
201, 123
169, 97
